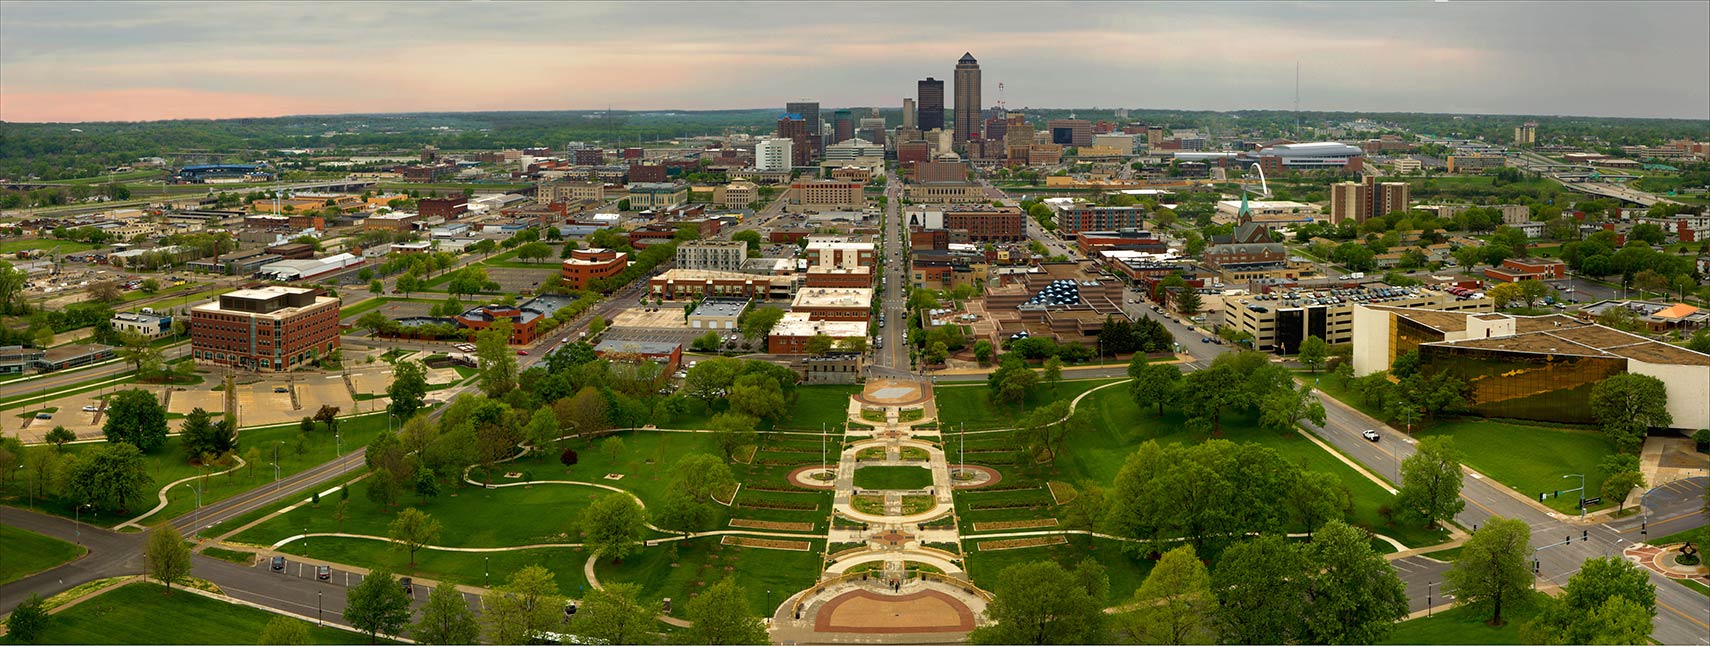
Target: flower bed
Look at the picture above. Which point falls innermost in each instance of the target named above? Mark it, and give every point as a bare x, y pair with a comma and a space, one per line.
1018, 543
870, 453
778, 505
915, 453
868, 504
749, 523
995, 525
912, 505
1062, 492
768, 543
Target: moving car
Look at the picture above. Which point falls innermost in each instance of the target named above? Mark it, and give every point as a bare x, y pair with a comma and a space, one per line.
522, 353
91, 408
1369, 434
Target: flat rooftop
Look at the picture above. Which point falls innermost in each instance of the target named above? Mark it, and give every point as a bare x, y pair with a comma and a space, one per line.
720, 307
834, 297
798, 324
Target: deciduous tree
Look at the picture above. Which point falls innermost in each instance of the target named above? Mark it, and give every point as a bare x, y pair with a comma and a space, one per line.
446, 619
1609, 600
613, 525
615, 614
1356, 597
721, 615
1629, 404
1313, 352
167, 556
378, 605
1175, 604
1261, 586
407, 390
412, 529
525, 606
1491, 573
1431, 480
1040, 603
284, 630
135, 417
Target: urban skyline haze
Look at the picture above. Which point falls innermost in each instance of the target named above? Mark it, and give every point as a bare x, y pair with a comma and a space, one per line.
72, 61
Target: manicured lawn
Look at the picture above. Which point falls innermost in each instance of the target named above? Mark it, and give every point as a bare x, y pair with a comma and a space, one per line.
168, 464
464, 568
1532, 459
140, 613
27, 553
968, 404
1126, 572
815, 405
880, 477
473, 517
56, 247
1120, 425
1461, 626
767, 576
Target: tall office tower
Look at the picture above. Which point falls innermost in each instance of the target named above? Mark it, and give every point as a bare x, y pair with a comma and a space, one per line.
1526, 134
842, 126
810, 113
795, 129
931, 108
908, 113
967, 80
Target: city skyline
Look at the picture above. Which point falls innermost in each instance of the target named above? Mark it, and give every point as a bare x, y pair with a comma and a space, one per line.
143, 61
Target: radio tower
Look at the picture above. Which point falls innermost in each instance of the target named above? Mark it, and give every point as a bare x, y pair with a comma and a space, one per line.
1297, 98
1002, 109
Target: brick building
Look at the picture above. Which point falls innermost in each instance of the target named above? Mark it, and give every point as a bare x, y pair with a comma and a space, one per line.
646, 173
834, 304
272, 329
825, 195
1084, 217
1514, 270
940, 171
449, 208
587, 265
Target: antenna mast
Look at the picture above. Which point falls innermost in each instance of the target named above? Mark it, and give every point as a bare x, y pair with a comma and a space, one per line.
1297, 97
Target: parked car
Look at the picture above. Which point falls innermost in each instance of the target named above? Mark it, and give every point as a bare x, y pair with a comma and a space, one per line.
91, 408
281, 389
408, 585
278, 564
44, 415
1369, 434
323, 572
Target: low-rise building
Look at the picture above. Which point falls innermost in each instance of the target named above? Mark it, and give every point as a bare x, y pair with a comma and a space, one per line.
713, 255
1280, 321
146, 325
657, 195
821, 276
273, 329
1531, 367
838, 252
1074, 217
831, 368
1514, 270
1476, 163
669, 356
736, 195
570, 191
825, 195
396, 221
834, 303
676, 284
584, 266
790, 335
718, 314
945, 192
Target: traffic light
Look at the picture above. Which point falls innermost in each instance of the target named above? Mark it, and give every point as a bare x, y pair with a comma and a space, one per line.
1567, 540
1642, 530
1584, 535
1541, 496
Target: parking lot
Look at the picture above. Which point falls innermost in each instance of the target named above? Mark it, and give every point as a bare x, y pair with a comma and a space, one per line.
513, 280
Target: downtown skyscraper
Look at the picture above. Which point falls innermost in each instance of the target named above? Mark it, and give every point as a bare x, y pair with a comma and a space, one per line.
967, 87
931, 116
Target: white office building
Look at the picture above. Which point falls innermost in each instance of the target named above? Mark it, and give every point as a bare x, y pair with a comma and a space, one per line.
772, 154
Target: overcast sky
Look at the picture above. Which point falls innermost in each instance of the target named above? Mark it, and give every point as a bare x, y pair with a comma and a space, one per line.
86, 61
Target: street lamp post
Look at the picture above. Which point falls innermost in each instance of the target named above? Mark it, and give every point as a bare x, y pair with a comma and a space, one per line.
1428, 598
77, 522
197, 518
318, 621
1581, 491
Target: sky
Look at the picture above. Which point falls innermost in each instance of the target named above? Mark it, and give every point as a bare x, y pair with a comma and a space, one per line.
68, 61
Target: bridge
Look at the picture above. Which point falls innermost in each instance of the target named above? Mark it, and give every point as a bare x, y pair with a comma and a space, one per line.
1618, 192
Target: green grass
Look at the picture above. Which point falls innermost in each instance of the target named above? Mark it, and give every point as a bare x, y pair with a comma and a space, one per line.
137, 613
1695, 586
1462, 626
235, 556
1120, 425
1532, 459
767, 576
168, 464
815, 405
245, 519
27, 553
474, 517
878, 477
464, 568
1126, 572
968, 404
56, 247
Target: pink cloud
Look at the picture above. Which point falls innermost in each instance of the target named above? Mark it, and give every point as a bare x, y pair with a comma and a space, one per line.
148, 104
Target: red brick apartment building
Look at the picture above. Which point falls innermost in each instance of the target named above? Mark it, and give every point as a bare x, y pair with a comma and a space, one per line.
587, 265
272, 329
